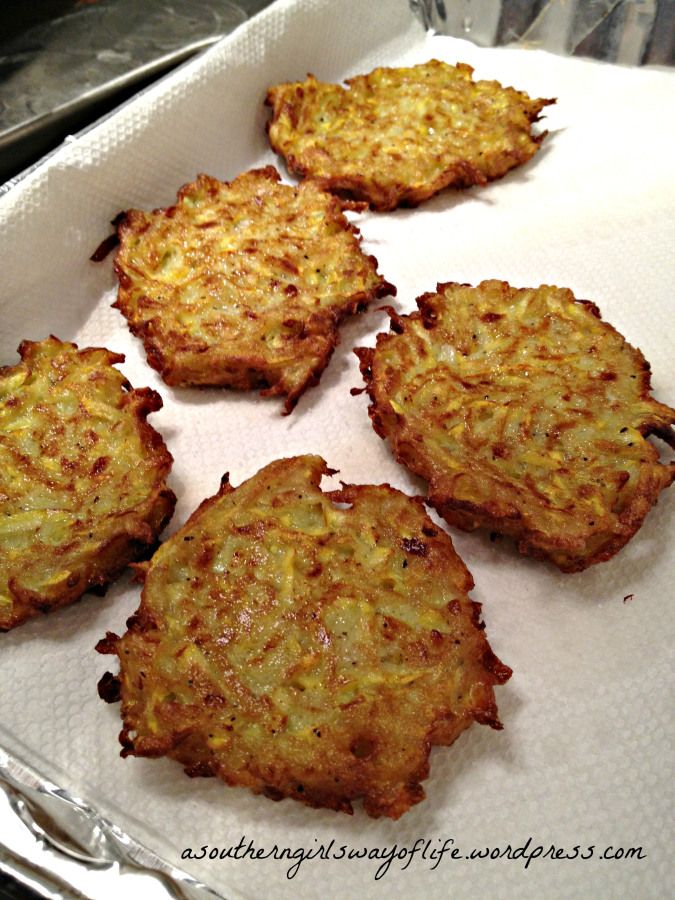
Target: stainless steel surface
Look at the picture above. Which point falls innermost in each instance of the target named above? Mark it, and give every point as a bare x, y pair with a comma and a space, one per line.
630, 32
57, 75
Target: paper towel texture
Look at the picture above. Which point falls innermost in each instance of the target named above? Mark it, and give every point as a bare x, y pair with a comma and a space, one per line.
585, 756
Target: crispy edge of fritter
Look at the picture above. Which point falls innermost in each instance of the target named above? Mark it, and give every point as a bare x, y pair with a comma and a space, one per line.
183, 365
443, 730
469, 516
381, 198
114, 557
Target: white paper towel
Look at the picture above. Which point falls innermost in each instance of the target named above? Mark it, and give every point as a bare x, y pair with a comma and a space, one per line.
585, 755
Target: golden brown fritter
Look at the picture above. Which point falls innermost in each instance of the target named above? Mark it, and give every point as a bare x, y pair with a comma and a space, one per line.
243, 284
526, 413
398, 136
304, 644
82, 476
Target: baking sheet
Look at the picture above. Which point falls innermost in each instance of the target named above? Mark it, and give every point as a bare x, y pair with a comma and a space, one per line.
584, 758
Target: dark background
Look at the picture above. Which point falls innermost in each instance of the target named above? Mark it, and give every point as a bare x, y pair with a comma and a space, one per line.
18, 20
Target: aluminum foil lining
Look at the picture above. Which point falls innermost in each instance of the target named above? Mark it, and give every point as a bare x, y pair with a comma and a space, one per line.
630, 32
67, 838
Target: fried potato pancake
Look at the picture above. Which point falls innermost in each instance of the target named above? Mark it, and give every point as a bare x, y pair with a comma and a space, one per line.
82, 476
243, 284
398, 136
526, 413
305, 645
